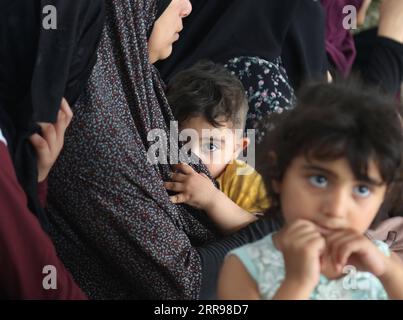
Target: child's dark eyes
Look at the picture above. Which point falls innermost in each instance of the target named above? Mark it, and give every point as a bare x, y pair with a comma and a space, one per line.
318, 181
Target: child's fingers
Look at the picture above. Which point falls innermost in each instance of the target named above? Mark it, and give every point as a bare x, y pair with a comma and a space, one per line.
178, 177
334, 238
331, 242
174, 186
184, 168
303, 233
335, 248
317, 242
179, 198
346, 248
300, 225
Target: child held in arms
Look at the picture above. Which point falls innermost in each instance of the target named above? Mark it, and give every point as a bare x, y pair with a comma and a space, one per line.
210, 106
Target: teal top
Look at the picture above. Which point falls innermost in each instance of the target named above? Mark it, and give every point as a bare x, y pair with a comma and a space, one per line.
265, 265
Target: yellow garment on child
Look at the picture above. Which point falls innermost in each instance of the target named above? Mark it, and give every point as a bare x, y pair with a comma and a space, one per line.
244, 186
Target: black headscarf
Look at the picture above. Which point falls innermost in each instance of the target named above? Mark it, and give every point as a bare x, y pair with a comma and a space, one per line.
219, 30
304, 50
38, 67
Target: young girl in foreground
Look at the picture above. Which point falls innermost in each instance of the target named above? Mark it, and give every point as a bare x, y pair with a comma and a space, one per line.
332, 162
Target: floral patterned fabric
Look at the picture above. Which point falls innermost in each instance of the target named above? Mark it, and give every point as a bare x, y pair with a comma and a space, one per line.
265, 264
267, 87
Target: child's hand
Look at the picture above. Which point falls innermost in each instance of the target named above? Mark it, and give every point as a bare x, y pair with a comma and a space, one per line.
302, 245
391, 20
50, 143
348, 247
193, 188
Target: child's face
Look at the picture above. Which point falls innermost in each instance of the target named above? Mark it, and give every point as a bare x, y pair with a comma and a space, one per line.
216, 147
327, 194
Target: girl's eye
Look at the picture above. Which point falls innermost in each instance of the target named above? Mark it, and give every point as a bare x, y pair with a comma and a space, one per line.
362, 191
318, 181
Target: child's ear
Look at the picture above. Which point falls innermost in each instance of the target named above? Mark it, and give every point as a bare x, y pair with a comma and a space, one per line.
245, 143
241, 146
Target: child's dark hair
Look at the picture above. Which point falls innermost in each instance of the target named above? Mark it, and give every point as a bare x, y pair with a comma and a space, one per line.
210, 91
337, 120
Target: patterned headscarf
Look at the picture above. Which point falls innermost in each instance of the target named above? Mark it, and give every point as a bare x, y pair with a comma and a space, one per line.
112, 220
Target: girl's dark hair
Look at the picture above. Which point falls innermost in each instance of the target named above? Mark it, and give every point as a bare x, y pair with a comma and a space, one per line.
208, 90
337, 120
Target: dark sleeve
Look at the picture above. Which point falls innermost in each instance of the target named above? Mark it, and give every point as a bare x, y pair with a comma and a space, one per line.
214, 254
303, 51
25, 249
379, 60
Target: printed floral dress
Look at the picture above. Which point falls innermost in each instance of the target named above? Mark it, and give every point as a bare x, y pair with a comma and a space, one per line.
267, 87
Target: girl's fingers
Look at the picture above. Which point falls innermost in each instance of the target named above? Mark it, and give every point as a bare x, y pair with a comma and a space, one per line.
346, 248
301, 238
302, 234
301, 225
346, 251
318, 242
308, 237
334, 238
